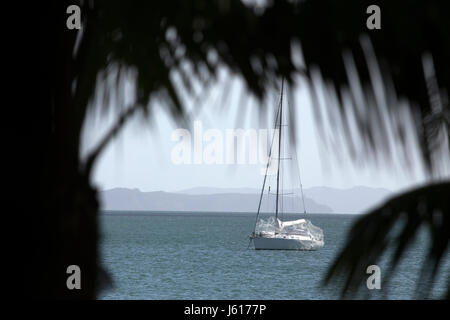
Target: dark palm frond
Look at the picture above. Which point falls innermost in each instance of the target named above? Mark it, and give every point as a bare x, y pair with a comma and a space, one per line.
361, 69
366, 74
149, 44
376, 74
373, 69
374, 232
170, 50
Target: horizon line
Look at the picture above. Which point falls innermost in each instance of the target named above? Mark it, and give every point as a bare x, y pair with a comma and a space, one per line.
210, 187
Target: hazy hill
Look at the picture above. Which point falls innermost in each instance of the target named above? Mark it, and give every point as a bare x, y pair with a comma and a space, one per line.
317, 200
354, 200
133, 199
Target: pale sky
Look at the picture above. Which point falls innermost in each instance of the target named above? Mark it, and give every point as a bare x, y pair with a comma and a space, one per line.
140, 156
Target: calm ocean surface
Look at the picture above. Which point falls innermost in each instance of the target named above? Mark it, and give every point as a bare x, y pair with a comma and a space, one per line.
163, 255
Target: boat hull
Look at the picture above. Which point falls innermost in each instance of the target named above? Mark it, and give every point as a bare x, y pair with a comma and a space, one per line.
280, 243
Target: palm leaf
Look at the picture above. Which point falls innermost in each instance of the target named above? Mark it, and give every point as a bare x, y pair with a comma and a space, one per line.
154, 43
374, 232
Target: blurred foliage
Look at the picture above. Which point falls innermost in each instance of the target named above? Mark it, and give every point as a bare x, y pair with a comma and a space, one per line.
363, 75
375, 232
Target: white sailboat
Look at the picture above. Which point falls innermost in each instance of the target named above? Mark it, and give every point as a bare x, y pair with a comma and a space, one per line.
275, 234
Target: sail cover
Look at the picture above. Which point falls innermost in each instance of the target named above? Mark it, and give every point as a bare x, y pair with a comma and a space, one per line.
302, 227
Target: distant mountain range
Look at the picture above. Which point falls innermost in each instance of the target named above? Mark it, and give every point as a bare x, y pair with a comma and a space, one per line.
317, 200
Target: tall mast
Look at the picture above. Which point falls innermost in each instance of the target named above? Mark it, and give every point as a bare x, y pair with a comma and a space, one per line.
279, 147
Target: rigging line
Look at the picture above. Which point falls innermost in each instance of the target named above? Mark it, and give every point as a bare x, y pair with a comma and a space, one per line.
279, 148
301, 185
303, 197
284, 172
267, 167
297, 162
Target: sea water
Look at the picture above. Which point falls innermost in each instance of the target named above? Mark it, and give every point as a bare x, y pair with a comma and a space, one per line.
185, 255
